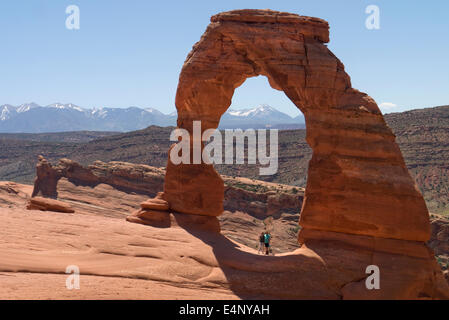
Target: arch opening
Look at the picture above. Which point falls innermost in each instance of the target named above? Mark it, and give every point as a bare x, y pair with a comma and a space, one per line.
264, 202
255, 105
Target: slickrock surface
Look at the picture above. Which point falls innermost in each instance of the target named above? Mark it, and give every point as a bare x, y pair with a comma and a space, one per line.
124, 260
182, 260
117, 260
14, 194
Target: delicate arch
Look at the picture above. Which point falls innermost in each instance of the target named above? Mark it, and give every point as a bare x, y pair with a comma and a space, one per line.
357, 179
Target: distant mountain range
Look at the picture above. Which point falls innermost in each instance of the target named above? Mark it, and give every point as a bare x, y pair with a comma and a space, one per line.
58, 117
262, 116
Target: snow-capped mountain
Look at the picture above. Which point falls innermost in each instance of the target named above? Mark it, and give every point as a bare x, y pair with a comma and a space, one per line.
7, 111
68, 106
59, 117
26, 107
259, 112
263, 116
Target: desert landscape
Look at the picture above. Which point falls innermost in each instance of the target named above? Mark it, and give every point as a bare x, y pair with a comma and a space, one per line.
354, 190
119, 260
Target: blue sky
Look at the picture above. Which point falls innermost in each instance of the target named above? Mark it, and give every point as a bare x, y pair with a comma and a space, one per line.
130, 53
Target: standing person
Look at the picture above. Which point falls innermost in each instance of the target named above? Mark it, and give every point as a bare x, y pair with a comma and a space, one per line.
261, 242
267, 238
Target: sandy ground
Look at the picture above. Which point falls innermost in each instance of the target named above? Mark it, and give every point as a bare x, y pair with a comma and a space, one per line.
117, 259
122, 260
37, 286
36, 248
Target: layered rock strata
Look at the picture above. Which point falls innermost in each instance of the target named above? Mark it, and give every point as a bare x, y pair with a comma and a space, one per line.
46, 204
360, 197
257, 198
357, 180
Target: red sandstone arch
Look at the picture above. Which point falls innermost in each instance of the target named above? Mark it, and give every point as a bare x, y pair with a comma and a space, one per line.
357, 180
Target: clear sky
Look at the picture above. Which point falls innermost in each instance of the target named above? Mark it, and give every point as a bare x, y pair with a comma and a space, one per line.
130, 53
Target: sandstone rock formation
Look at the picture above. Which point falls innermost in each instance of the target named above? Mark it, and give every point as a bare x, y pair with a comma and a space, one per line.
439, 240
46, 204
153, 212
155, 204
13, 194
245, 199
121, 188
131, 178
360, 198
247, 202
357, 180
46, 179
257, 198
261, 199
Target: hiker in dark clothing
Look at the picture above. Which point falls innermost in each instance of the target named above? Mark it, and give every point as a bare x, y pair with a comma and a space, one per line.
267, 238
261, 242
